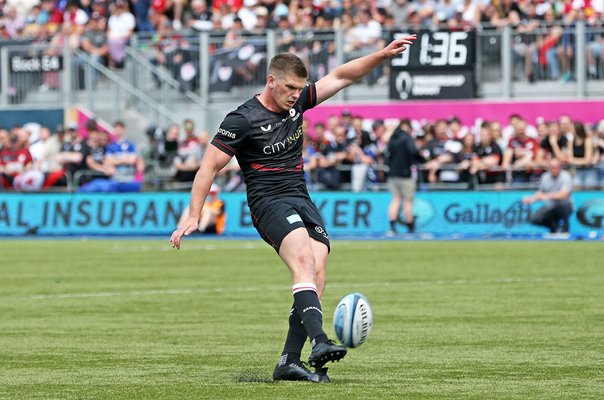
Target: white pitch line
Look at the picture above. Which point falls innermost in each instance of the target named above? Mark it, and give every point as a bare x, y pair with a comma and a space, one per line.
161, 292
208, 246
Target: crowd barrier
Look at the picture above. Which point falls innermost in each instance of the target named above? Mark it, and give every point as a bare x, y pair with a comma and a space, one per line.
448, 214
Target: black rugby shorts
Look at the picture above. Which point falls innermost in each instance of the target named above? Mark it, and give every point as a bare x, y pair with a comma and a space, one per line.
275, 218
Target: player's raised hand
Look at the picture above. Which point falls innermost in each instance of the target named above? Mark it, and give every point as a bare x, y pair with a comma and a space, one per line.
399, 45
186, 228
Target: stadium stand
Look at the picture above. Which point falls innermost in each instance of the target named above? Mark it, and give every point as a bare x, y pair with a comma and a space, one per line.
161, 42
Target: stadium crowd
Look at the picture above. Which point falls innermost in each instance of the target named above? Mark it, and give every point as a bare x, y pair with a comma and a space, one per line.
543, 46
346, 152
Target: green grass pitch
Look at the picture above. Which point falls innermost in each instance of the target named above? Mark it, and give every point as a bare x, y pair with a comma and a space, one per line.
135, 319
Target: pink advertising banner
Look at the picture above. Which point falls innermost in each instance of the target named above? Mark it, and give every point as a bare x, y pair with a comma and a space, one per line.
587, 111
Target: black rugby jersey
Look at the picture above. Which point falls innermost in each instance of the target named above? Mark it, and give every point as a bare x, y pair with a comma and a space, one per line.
268, 146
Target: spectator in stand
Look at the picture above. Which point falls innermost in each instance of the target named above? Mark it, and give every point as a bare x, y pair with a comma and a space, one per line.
75, 17
310, 160
12, 22
520, 154
121, 26
488, 159
200, 16
101, 7
553, 145
525, 43
599, 146
595, 49
456, 129
507, 12
122, 157
548, 53
465, 158
442, 150
94, 42
172, 9
16, 162
379, 137
401, 155
555, 190
400, 10
189, 155
213, 213
36, 145
54, 175
335, 154
142, 10
444, 11
497, 133
120, 164
566, 126
362, 152
65, 36
169, 150
364, 38
93, 156
70, 154
582, 157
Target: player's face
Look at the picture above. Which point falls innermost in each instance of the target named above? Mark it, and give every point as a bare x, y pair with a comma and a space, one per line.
286, 90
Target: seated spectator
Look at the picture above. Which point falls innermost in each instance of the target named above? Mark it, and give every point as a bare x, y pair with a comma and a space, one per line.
188, 158
93, 157
334, 154
488, 159
362, 39
555, 191
121, 26
200, 16
582, 157
94, 42
70, 153
362, 153
520, 154
441, 151
16, 163
121, 164
75, 17
553, 145
465, 158
44, 152
213, 213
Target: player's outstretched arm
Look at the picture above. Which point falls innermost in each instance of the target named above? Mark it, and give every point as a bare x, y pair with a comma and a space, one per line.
213, 161
346, 74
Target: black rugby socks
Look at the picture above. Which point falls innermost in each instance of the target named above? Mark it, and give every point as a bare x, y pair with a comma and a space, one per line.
308, 306
296, 336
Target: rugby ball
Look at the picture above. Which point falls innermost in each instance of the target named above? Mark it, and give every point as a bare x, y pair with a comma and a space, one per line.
352, 320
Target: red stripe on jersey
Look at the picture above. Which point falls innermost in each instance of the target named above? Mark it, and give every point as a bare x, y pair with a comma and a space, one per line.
229, 148
310, 94
263, 168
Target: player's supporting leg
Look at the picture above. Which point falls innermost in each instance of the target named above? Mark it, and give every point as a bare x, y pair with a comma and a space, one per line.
320, 252
296, 335
297, 253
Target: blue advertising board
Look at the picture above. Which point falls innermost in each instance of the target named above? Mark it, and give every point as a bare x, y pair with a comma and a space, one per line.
345, 214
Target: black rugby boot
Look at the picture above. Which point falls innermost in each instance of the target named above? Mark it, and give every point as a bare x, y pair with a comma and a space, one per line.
291, 371
324, 352
320, 376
